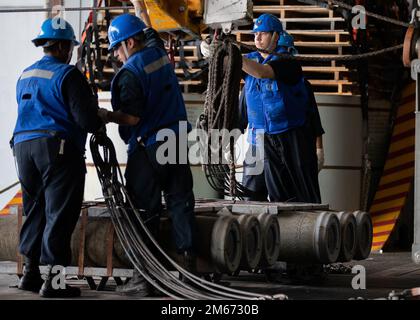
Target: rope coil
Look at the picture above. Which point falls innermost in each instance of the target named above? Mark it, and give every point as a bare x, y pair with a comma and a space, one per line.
221, 110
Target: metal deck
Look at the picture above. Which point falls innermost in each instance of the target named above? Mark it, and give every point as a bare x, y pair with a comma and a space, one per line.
384, 272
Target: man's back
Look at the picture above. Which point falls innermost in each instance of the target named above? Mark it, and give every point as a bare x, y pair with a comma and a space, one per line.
40, 103
159, 102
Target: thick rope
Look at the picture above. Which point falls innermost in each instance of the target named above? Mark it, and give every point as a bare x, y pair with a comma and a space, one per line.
221, 109
324, 58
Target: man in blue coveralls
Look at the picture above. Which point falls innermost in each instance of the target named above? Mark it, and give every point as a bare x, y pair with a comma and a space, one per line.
146, 98
56, 110
256, 183
278, 101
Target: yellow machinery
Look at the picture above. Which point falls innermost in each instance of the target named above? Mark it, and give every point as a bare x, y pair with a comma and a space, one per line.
177, 21
167, 16
192, 16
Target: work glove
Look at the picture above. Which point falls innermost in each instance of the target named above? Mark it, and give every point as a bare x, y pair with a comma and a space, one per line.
321, 158
208, 47
205, 48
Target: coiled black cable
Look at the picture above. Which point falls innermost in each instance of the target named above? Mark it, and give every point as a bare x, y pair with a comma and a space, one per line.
127, 221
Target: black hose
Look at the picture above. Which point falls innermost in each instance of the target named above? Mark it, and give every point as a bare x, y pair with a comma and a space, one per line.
135, 237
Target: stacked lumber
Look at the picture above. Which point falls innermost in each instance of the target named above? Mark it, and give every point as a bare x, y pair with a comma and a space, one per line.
317, 32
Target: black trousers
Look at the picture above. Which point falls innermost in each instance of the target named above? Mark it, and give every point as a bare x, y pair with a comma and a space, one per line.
146, 180
52, 188
290, 170
255, 183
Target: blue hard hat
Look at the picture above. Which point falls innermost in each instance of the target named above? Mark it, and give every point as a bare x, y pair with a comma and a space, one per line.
56, 29
267, 23
286, 40
123, 27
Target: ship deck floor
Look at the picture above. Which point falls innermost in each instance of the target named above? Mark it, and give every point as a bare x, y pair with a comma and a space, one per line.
384, 273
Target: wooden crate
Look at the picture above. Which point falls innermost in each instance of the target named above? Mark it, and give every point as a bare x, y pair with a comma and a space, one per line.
317, 32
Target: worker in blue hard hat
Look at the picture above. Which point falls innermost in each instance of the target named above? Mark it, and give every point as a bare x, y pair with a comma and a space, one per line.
56, 110
147, 101
127, 26
277, 102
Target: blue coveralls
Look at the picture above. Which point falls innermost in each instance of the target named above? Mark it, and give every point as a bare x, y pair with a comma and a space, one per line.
280, 110
162, 107
49, 149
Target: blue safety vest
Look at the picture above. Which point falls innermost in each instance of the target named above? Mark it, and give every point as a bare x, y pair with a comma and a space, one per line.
163, 103
273, 106
41, 108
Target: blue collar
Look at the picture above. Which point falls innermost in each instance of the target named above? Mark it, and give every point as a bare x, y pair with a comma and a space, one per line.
135, 54
51, 59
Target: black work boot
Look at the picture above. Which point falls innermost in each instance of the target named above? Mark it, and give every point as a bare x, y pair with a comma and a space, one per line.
189, 263
137, 286
55, 288
31, 280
